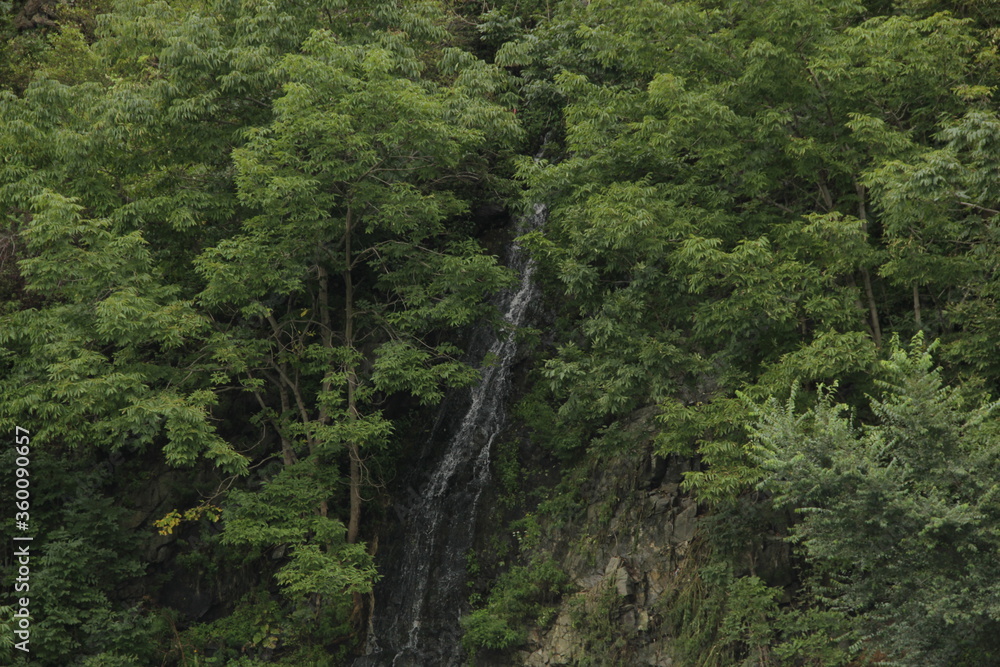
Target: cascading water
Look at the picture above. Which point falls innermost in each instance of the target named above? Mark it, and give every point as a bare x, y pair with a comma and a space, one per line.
416, 623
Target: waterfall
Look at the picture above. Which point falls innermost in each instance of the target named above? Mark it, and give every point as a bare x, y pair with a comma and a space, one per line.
417, 622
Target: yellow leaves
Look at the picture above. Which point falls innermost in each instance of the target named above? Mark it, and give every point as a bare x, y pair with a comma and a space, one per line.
169, 523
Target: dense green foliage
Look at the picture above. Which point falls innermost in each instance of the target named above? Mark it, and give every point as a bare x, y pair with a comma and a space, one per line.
236, 233
746, 197
522, 598
899, 517
239, 252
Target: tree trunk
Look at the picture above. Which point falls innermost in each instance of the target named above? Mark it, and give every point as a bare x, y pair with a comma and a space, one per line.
869, 292
354, 523
872, 308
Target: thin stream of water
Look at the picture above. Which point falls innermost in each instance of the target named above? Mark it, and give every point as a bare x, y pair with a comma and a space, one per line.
419, 624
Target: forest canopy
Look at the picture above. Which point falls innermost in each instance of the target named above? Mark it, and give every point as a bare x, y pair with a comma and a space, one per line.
245, 242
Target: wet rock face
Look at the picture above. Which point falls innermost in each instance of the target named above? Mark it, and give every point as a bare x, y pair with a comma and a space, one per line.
638, 529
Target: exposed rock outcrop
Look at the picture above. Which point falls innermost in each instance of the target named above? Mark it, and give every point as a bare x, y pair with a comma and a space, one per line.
643, 545
35, 14
628, 547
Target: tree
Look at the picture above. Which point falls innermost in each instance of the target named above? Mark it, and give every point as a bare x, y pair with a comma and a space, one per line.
740, 203
899, 517
264, 197
353, 185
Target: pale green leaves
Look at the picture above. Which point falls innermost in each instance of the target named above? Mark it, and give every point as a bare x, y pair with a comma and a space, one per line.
283, 513
184, 420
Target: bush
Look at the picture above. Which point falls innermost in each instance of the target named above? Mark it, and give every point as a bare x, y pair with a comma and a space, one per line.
524, 596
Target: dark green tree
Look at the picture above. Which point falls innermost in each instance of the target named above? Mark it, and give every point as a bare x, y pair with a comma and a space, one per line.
899, 517
354, 183
222, 199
